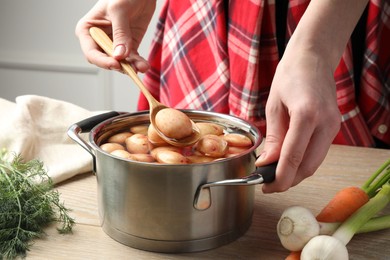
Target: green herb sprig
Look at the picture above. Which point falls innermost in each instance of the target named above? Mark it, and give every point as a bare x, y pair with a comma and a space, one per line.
28, 203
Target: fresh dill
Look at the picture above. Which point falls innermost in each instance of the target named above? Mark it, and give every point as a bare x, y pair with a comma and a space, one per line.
28, 203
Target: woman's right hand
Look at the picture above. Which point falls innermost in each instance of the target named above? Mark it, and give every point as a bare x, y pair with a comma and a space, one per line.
126, 22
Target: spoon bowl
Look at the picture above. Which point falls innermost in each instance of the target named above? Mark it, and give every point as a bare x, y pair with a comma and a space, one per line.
102, 39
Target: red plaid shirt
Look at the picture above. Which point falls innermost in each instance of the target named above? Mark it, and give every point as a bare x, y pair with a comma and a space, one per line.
212, 55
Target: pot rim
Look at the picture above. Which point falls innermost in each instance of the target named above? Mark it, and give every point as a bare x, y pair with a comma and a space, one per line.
197, 116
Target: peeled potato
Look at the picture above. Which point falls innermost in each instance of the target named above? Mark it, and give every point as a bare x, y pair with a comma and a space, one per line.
156, 150
141, 157
171, 157
139, 129
209, 128
138, 143
173, 123
200, 158
121, 153
109, 147
212, 145
154, 138
238, 140
234, 150
119, 137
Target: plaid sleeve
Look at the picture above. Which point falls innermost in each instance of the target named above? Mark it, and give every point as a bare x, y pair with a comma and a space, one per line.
374, 99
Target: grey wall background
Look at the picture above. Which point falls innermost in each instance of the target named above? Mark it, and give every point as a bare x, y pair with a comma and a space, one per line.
40, 54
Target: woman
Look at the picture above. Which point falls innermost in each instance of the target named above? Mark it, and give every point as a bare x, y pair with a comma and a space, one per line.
224, 56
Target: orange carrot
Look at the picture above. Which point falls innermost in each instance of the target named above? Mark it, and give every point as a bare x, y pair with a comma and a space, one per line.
294, 255
350, 199
343, 205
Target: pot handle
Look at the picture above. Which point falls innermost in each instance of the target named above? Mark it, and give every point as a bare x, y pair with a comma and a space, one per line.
263, 174
86, 125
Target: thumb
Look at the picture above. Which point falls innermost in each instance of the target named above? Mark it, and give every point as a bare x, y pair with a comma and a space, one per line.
270, 151
271, 148
121, 35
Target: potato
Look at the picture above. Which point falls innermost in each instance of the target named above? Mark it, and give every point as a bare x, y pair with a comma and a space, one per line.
138, 143
234, 150
173, 123
238, 140
121, 153
139, 129
171, 157
154, 151
209, 128
119, 138
109, 147
141, 157
212, 145
200, 158
196, 152
154, 138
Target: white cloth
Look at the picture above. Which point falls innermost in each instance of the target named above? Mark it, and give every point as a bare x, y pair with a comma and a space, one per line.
35, 127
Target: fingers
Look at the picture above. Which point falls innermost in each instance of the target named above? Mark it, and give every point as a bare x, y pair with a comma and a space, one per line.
292, 152
121, 32
304, 148
314, 155
277, 125
92, 51
319, 144
116, 19
138, 63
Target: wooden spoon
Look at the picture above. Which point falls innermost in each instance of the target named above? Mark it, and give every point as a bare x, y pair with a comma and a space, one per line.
102, 39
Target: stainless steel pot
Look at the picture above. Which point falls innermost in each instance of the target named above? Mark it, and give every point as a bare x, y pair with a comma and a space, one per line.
172, 208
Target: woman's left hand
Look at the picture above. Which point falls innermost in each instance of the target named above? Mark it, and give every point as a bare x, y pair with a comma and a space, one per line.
302, 118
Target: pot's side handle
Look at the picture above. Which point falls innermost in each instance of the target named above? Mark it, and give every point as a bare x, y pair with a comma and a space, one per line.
263, 174
86, 125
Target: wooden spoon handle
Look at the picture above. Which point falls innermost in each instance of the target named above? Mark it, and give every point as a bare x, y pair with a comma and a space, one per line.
102, 39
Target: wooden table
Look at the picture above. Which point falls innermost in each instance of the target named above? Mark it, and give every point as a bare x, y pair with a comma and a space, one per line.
344, 166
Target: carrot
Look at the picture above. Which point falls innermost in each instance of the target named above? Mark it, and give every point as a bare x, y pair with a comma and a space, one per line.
349, 199
343, 205
294, 255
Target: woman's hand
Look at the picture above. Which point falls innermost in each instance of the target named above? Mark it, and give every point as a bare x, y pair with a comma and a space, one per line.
302, 113
302, 118
126, 22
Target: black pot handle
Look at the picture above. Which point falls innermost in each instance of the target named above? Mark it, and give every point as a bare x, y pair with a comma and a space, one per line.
86, 125
263, 174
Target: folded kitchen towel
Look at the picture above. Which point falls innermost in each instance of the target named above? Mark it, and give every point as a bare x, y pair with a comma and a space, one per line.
35, 127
